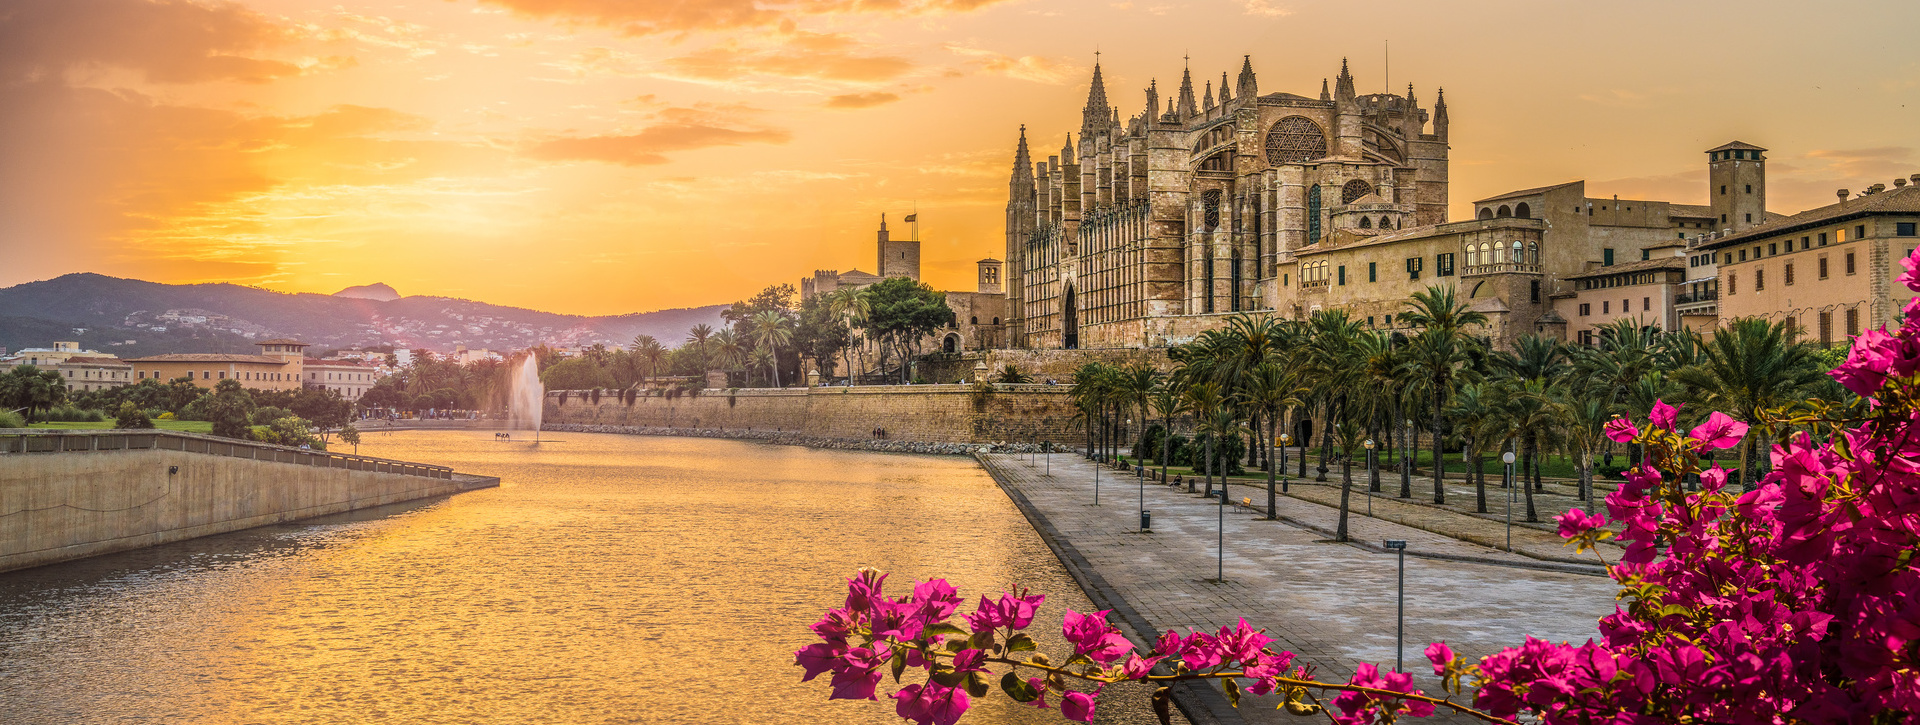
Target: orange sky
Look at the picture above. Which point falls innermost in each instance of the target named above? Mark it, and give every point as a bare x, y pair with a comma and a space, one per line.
606, 156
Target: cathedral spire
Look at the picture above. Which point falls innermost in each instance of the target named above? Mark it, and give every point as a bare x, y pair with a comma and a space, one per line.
1153, 101
1440, 114
1187, 107
1324, 95
1224, 95
1343, 87
1022, 162
1207, 100
1245, 86
1066, 152
1094, 117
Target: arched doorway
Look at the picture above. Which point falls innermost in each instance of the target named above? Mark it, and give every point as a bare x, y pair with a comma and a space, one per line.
951, 344
1523, 211
1069, 322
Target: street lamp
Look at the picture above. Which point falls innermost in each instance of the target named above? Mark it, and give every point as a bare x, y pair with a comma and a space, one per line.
1220, 570
1400, 627
1284, 440
1141, 473
1373, 476
1406, 461
1507, 458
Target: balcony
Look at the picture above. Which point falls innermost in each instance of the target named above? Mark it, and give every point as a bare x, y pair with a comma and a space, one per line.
1500, 268
1686, 298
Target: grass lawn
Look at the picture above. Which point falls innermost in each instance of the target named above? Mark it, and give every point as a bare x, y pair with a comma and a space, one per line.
184, 426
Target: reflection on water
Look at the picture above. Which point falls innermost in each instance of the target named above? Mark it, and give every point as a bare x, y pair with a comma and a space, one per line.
611, 579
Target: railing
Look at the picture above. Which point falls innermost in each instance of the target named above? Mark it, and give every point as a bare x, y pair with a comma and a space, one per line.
1498, 268
1691, 297
23, 440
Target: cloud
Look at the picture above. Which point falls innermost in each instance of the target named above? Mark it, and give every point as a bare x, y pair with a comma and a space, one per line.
166, 41
677, 129
1878, 161
1266, 8
798, 54
1038, 69
861, 100
648, 17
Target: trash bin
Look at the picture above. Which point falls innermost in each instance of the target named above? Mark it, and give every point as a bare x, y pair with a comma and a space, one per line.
1146, 520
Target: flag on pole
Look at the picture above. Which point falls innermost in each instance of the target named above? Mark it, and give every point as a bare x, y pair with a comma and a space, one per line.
912, 217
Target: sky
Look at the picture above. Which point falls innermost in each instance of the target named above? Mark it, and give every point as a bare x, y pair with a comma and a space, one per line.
612, 156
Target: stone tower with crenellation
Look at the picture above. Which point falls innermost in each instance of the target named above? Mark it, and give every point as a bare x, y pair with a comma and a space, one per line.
897, 257
1737, 179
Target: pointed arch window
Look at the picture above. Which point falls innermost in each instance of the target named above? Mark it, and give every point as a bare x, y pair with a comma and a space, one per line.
1313, 214
1366, 222
1295, 139
1353, 190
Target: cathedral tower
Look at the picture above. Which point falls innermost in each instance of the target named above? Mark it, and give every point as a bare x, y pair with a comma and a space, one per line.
1737, 181
1021, 207
898, 257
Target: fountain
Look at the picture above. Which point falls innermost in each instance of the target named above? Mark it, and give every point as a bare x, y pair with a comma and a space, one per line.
526, 397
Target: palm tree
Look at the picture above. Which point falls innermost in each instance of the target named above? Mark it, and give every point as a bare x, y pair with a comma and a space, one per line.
762, 358
1271, 389
697, 337
854, 306
771, 330
1750, 367
1330, 362
1440, 353
1526, 411
1584, 415
728, 352
1208, 407
1169, 400
1471, 414
1012, 375
648, 349
1134, 389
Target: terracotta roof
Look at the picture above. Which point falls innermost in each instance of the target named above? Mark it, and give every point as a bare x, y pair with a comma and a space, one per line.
1900, 200
314, 362
1636, 266
1489, 305
1694, 211
1741, 145
989, 259
1370, 198
282, 341
211, 357
1526, 192
95, 360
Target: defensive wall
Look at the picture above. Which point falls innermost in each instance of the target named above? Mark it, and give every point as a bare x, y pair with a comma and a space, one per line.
926, 413
72, 494
1041, 365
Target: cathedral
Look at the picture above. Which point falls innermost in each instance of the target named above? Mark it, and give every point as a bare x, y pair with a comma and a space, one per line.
1148, 230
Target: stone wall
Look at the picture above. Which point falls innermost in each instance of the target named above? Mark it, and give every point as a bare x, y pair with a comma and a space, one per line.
927, 413
73, 504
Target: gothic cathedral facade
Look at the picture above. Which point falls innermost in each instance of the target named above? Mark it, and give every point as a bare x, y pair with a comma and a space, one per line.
1154, 229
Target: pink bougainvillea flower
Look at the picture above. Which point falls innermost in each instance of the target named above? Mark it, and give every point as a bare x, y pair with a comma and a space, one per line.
970, 660
1619, 430
1008, 611
930, 704
1241, 642
1039, 685
1663, 416
937, 599
864, 591
1137, 667
1092, 636
1439, 654
814, 659
1077, 706
1713, 479
1576, 522
1911, 277
1720, 431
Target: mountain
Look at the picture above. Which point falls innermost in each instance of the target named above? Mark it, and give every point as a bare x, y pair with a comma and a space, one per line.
376, 291
149, 317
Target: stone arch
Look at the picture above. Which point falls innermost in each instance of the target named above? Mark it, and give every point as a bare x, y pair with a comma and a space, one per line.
974, 320
1069, 321
1353, 190
1475, 294
1503, 212
1295, 139
951, 344
1473, 256
1386, 222
996, 320
1485, 213
1523, 211
1366, 222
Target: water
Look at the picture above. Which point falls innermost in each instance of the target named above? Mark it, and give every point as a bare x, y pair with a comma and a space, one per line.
526, 397
611, 579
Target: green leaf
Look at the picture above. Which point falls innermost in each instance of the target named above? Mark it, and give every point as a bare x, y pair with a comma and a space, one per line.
1020, 642
957, 645
983, 640
898, 663
944, 628
1078, 660
948, 678
977, 684
1018, 689
1232, 689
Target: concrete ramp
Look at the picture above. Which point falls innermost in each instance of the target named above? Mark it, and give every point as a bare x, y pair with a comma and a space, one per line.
71, 494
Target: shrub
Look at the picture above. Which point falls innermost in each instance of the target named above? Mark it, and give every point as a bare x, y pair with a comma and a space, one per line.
131, 417
267, 415
71, 414
9, 419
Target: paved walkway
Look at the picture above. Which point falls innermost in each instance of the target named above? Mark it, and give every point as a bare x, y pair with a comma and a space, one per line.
1332, 603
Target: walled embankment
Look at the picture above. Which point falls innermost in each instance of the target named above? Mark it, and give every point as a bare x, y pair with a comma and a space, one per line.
912, 413
882, 445
68, 495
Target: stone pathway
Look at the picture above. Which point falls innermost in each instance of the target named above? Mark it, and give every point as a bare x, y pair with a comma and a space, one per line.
1332, 603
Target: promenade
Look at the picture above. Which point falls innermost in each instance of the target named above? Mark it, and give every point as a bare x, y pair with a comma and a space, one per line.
1332, 603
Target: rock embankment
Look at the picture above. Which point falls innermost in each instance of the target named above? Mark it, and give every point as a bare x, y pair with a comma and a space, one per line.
789, 438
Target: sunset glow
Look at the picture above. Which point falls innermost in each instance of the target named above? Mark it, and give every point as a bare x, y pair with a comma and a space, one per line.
608, 156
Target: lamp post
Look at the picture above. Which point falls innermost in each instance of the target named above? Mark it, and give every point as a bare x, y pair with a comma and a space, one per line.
1096, 483
1220, 566
1400, 626
1406, 461
1140, 472
1373, 475
1507, 458
1284, 440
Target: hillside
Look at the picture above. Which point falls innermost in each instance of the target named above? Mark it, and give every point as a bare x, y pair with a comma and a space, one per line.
219, 317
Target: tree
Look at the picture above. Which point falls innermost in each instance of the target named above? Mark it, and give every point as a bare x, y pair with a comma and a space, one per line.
1271, 389
29, 387
131, 417
770, 330
697, 343
323, 408
1751, 366
1471, 415
351, 436
649, 350
902, 312
230, 409
852, 306
820, 334
1441, 354
579, 373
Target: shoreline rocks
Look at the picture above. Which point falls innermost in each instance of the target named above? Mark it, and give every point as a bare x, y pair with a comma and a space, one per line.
789, 438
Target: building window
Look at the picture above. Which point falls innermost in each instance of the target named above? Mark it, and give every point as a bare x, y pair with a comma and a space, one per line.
1414, 265
1759, 279
1749, 190
1586, 308
1646, 254
1743, 255
1860, 232
1313, 214
1343, 274
1606, 307
1904, 229
1849, 267
1749, 218
1536, 291
1730, 283
1826, 329
1372, 275
1773, 249
1723, 189
1586, 337
1443, 264
1823, 238
1853, 321
205, 374
1606, 257
1646, 304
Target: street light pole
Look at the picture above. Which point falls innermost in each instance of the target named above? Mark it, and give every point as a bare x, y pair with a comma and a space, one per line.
1141, 473
1373, 475
1284, 440
1400, 627
1220, 570
1507, 458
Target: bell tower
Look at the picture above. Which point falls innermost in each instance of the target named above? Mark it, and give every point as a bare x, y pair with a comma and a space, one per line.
1737, 183
898, 257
